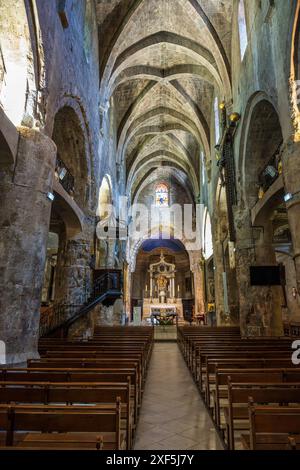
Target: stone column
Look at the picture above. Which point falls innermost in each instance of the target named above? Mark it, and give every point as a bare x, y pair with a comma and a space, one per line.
127, 288
221, 313
73, 272
198, 273
291, 172
260, 306
24, 225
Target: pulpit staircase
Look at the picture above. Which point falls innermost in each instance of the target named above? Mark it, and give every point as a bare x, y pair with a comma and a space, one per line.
57, 320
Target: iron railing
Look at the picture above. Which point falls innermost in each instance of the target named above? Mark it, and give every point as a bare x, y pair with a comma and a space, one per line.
65, 176
270, 172
61, 316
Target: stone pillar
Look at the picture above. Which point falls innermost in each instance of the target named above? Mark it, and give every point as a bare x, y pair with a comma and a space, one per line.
260, 307
127, 289
221, 313
24, 225
291, 172
73, 272
198, 273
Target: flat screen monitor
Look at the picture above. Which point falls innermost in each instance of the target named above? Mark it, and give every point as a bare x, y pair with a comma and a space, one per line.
266, 275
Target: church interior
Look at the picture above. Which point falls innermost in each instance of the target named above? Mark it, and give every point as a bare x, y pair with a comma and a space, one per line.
149, 225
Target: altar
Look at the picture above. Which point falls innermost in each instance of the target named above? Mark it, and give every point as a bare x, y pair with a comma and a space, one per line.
153, 308
161, 300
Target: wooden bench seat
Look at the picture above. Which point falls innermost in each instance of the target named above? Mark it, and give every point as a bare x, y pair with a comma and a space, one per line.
273, 376
77, 375
271, 427
236, 413
73, 394
32, 424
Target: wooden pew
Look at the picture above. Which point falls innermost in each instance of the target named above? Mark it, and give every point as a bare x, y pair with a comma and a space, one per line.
90, 363
234, 347
270, 427
237, 415
240, 363
264, 375
68, 394
113, 364
77, 375
30, 426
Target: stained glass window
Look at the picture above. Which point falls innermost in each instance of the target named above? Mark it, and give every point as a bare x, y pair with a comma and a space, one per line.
162, 195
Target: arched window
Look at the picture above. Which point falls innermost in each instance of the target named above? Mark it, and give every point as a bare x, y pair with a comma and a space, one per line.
203, 168
208, 249
162, 195
217, 119
242, 28
88, 29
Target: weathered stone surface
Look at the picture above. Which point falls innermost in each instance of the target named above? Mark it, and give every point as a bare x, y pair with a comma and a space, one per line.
24, 221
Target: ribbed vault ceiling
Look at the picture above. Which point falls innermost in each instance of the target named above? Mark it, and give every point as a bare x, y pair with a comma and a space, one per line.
162, 62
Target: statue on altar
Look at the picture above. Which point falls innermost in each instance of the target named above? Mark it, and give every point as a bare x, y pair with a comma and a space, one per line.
162, 283
163, 304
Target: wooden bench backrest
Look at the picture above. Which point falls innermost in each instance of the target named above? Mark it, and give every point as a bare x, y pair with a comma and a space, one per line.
263, 393
272, 420
63, 393
64, 420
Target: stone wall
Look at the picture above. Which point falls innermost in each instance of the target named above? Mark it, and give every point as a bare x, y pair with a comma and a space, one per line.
263, 74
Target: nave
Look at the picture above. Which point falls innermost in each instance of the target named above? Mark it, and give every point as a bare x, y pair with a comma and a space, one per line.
173, 415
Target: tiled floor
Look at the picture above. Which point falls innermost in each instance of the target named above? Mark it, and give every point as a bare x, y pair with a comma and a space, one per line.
173, 416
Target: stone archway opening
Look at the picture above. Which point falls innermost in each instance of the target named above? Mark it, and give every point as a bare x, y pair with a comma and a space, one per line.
260, 305
262, 164
162, 283
71, 164
106, 248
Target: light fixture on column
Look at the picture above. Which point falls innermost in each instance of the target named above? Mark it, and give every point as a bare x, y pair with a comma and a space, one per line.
270, 171
234, 118
288, 197
294, 292
50, 196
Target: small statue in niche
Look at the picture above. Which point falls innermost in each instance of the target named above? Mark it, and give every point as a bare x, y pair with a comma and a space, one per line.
162, 282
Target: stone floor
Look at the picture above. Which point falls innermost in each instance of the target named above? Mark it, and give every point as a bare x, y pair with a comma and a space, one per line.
173, 416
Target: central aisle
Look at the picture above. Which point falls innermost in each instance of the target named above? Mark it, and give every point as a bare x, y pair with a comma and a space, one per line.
173, 416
